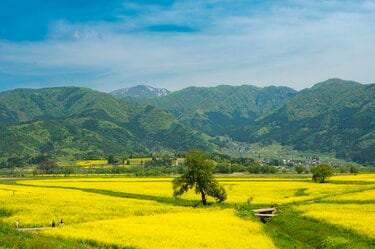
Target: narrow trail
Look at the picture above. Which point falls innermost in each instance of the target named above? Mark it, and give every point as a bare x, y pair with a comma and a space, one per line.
33, 229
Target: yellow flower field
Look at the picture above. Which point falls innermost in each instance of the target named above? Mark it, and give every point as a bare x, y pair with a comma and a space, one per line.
261, 192
129, 222
88, 163
141, 223
367, 195
357, 217
359, 177
35, 207
204, 229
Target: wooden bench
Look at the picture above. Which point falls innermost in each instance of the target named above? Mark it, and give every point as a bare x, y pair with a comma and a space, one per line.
265, 214
265, 210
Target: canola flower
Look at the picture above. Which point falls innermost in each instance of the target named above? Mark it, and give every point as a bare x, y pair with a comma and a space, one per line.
264, 192
363, 196
260, 192
358, 177
205, 229
88, 163
149, 224
37, 207
357, 217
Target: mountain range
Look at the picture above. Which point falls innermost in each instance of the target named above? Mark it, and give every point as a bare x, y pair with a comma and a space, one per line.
73, 123
223, 109
335, 116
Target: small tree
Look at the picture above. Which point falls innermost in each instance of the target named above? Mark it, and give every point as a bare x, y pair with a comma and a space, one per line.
321, 172
47, 167
299, 169
199, 176
354, 169
111, 160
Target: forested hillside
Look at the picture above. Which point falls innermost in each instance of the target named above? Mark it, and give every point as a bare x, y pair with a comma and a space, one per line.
333, 116
221, 110
75, 122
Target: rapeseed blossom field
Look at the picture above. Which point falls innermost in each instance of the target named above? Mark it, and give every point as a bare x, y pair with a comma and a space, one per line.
358, 217
204, 229
37, 207
269, 191
88, 163
355, 211
141, 212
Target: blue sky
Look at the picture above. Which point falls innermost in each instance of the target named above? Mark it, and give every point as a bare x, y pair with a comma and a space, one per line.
108, 45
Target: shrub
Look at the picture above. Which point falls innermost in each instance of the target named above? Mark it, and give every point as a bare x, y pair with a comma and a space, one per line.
321, 172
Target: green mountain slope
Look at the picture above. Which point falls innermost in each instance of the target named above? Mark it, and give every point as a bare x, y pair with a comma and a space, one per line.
221, 110
333, 116
78, 122
70, 122
24, 105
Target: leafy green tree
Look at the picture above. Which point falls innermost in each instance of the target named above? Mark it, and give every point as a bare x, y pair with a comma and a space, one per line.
111, 159
254, 169
344, 169
299, 169
222, 168
268, 169
354, 169
47, 167
199, 176
321, 172
15, 162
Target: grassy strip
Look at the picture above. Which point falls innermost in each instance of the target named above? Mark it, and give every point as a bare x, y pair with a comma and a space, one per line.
293, 230
160, 199
290, 230
359, 202
323, 197
350, 182
301, 192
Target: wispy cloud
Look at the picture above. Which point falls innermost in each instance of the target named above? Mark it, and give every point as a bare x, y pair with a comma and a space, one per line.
176, 44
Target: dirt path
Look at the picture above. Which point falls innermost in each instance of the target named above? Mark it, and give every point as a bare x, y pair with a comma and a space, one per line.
10, 178
33, 229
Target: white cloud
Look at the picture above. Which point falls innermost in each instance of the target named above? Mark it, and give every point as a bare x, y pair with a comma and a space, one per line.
295, 45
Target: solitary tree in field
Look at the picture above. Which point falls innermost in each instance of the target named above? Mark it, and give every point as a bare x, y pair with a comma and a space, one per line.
322, 172
199, 176
354, 169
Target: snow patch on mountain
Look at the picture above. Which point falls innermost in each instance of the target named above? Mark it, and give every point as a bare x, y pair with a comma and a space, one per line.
140, 91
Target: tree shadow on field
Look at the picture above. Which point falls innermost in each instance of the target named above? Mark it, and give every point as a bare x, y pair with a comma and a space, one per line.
161, 199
